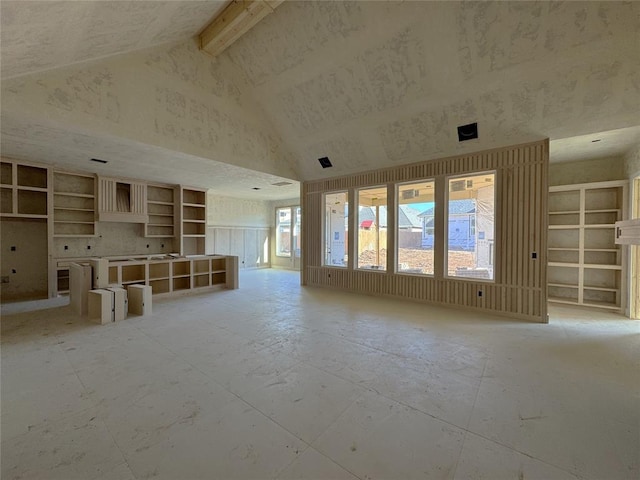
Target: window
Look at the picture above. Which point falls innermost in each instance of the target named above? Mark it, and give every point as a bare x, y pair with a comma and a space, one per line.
372, 228
297, 226
470, 231
415, 227
283, 232
336, 229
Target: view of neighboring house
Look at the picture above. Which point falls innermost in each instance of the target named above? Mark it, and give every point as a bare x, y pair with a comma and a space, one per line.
409, 224
462, 225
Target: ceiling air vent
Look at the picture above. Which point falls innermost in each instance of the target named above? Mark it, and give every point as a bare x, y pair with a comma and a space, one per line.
98, 160
281, 184
467, 132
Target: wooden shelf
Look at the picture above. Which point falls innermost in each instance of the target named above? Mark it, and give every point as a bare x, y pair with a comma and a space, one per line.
74, 209
69, 194
563, 264
562, 285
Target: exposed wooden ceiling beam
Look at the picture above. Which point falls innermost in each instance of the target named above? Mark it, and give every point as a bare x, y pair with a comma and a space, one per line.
233, 22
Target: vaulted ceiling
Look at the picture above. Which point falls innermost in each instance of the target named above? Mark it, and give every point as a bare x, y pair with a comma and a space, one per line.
369, 84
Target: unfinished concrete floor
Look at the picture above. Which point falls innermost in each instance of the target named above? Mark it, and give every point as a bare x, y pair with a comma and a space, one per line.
277, 381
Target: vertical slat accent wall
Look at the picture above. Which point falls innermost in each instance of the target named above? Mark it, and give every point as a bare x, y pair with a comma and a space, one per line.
107, 192
520, 286
139, 198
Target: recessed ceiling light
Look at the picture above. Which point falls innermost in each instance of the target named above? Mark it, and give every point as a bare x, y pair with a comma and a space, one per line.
325, 162
98, 160
467, 132
597, 140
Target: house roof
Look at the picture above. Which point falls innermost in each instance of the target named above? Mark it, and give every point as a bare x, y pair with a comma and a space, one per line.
408, 217
456, 207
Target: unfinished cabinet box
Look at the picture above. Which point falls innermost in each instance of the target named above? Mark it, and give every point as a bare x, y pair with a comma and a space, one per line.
24, 190
132, 274
80, 278
101, 306
139, 299
231, 265
100, 271
120, 303
62, 280
586, 266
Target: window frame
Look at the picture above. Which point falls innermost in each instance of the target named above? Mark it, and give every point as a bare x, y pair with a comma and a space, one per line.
278, 209
396, 229
357, 229
493, 256
324, 251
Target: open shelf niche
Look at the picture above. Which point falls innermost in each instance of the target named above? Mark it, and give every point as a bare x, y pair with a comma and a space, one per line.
586, 267
161, 209
194, 221
74, 205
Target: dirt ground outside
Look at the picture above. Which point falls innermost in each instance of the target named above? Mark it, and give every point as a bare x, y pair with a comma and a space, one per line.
419, 260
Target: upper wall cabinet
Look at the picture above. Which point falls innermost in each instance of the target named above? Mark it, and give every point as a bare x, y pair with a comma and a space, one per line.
24, 190
122, 201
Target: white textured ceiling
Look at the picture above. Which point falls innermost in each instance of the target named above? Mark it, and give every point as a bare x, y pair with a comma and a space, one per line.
369, 84
40, 35
23, 139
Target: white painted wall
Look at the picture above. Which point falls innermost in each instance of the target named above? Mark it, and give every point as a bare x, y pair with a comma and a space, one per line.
26, 266
237, 212
586, 171
113, 239
239, 227
632, 162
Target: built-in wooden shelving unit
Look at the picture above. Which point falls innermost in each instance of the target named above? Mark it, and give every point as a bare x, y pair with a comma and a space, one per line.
74, 205
193, 222
586, 267
161, 208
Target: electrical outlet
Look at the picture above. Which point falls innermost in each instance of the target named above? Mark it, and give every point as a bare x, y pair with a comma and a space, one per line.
13, 248
479, 293
534, 255
13, 270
